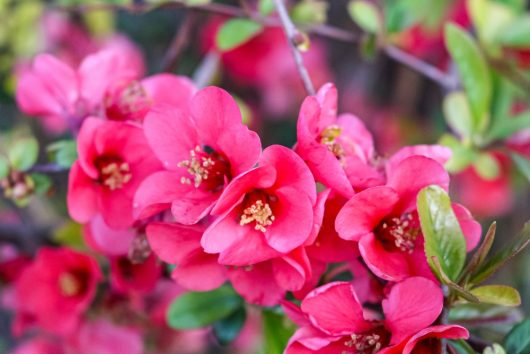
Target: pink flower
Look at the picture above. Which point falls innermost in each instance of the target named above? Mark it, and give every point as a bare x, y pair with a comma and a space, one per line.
114, 158
57, 288
39, 345
333, 321
265, 212
384, 220
104, 337
131, 99
202, 149
106, 240
135, 277
63, 96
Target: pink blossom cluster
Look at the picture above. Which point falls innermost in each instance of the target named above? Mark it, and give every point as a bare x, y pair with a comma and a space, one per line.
168, 172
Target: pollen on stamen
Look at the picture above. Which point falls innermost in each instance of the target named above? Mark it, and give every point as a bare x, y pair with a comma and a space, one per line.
329, 136
116, 175
260, 213
198, 167
364, 343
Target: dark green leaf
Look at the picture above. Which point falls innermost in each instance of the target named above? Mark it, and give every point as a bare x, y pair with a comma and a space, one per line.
4, 167
457, 289
483, 251
277, 329
23, 154
42, 183
199, 309
492, 265
518, 340
498, 295
227, 329
522, 164
443, 236
474, 73
236, 32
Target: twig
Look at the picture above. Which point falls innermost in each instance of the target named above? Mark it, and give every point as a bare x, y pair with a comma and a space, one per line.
206, 70
294, 37
48, 168
179, 43
429, 71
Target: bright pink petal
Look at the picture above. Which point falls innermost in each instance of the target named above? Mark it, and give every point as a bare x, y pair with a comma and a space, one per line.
256, 284
85, 145
470, 227
82, 195
411, 306
241, 146
110, 241
173, 242
355, 139
292, 271
116, 207
415, 345
327, 96
156, 193
438, 153
364, 211
173, 90
411, 175
200, 271
392, 266
335, 309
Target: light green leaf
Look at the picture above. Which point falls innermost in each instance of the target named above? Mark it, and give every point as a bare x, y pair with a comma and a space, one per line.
4, 167
366, 15
474, 73
70, 234
200, 309
518, 340
265, 7
462, 156
23, 154
63, 152
516, 33
313, 12
42, 183
494, 349
489, 17
487, 166
509, 126
277, 329
441, 230
522, 164
497, 295
458, 114
236, 32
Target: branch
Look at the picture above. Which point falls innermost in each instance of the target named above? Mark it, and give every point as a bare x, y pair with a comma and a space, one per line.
48, 168
206, 70
331, 32
179, 43
294, 37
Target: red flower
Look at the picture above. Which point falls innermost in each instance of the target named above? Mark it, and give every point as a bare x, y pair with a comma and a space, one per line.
57, 288
202, 150
113, 159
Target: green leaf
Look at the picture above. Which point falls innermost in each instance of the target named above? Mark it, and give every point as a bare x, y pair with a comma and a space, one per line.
199, 309
482, 252
457, 289
265, 7
516, 33
518, 340
479, 315
366, 15
441, 230
311, 12
70, 234
277, 329
23, 154
474, 73
494, 349
487, 166
63, 152
511, 250
489, 17
497, 295
462, 156
458, 114
227, 329
42, 183
4, 167
236, 32
522, 164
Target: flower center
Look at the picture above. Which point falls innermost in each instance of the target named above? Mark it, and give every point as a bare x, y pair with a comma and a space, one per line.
399, 233
207, 169
69, 284
329, 137
257, 210
127, 100
114, 173
369, 342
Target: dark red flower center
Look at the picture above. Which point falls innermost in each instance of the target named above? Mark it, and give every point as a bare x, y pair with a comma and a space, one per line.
73, 283
369, 342
329, 138
127, 100
207, 169
257, 209
114, 173
399, 233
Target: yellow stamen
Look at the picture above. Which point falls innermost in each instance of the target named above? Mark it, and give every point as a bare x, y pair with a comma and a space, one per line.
116, 175
259, 212
197, 166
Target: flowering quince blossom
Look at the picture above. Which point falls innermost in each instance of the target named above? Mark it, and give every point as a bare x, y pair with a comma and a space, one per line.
55, 290
63, 96
333, 321
385, 222
202, 148
113, 160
